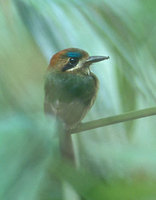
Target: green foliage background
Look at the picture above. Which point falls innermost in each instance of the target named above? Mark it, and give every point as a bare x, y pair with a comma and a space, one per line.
115, 162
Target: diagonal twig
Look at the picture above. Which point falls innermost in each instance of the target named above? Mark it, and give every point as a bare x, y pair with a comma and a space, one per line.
115, 119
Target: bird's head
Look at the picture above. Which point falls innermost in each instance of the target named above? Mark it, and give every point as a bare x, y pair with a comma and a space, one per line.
73, 60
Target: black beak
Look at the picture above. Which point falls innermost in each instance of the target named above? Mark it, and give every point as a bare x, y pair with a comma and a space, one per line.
93, 59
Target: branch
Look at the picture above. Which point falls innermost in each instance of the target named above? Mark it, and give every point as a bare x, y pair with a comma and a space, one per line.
115, 119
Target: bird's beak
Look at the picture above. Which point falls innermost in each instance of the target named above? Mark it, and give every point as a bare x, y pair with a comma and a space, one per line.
93, 59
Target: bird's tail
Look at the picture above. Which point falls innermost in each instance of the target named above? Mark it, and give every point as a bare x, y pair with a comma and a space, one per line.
66, 147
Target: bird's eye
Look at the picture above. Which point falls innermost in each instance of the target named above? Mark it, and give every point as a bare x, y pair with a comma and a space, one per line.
73, 61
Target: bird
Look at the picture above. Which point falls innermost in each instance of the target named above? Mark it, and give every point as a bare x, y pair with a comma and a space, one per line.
70, 86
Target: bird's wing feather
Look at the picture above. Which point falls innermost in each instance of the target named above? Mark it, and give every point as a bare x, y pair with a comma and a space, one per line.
71, 113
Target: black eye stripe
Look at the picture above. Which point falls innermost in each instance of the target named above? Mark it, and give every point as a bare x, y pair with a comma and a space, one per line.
71, 64
66, 67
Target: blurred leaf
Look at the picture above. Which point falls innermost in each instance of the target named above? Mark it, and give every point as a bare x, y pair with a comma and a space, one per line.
24, 153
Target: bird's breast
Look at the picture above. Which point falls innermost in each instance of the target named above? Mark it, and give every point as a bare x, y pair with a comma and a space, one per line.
68, 87
69, 96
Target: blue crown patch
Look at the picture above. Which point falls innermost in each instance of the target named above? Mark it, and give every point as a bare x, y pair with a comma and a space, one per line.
74, 54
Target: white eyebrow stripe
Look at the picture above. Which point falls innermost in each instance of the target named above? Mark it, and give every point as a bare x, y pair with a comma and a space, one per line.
74, 68
78, 66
